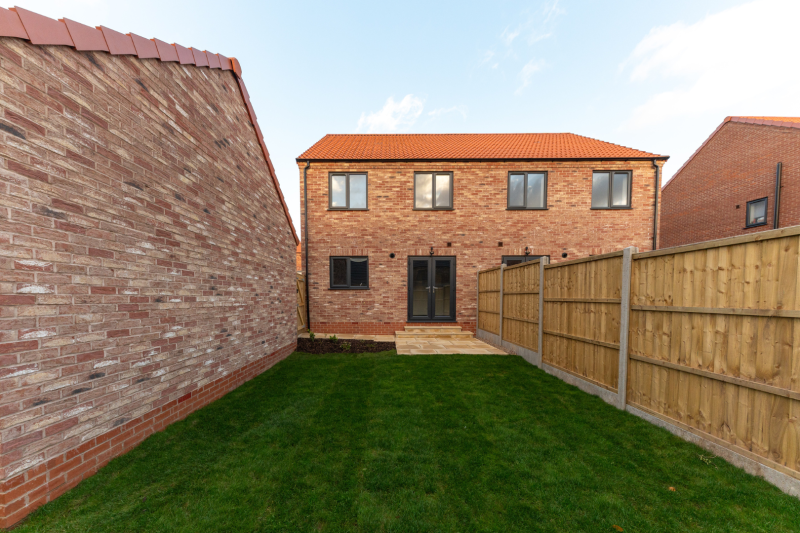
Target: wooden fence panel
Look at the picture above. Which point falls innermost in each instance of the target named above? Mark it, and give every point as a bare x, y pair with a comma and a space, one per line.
489, 300
521, 305
301, 303
582, 318
715, 343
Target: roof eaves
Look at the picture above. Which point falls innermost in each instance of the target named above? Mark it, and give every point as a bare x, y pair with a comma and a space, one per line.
302, 159
40, 30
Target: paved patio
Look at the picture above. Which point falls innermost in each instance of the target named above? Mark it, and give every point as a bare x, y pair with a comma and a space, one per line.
424, 345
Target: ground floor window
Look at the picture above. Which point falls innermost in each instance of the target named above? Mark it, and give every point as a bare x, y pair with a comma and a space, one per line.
349, 273
511, 260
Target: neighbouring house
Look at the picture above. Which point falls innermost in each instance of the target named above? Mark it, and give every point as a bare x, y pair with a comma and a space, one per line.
146, 253
744, 178
397, 226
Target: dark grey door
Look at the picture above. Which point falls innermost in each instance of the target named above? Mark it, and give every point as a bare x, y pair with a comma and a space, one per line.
431, 289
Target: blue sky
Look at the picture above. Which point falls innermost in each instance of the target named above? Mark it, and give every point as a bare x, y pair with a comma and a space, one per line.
657, 76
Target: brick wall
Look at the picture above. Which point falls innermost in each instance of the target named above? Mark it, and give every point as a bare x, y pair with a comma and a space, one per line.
146, 264
478, 222
737, 165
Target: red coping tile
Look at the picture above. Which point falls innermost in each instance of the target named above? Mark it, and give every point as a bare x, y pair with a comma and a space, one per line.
145, 48
184, 55
118, 43
237, 68
85, 37
10, 25
44, 30
213, 60
200, 58
224, 62
166, 52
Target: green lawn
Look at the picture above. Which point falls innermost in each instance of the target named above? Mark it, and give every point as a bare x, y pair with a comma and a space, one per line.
441, 443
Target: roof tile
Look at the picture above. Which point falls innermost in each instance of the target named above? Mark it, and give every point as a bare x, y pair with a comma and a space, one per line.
184, 55
145, 48
166, 52
119, 44
85, 37
200, 58
11, 25
213, 60
468, 146
44, 30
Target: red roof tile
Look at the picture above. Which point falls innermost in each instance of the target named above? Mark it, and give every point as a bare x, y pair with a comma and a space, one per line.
200, 58
184, 54
10, 25
166, 52
452, 146
119, 44
85, 37
44, 30
145, 48
23, 24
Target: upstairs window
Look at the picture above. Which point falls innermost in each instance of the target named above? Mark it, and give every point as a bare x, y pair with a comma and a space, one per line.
347, 191
611, 190
757, 213
433, 190
527, 190
349, 273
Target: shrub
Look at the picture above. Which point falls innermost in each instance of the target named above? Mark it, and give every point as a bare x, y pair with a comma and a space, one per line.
346, 346
334, 338
311, 335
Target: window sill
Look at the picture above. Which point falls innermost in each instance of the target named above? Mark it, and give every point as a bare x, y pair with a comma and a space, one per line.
527, 208
348, 288
432, 320
755, 226
433, 209
611, 208
346, 209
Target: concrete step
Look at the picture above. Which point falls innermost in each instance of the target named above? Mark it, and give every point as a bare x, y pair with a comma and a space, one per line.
433, 329
431, 335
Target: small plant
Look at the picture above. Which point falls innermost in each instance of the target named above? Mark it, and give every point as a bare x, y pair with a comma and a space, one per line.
333, 338
311, 335
346, 346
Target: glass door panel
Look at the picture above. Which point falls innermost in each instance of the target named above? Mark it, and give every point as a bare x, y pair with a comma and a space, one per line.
420, 288
441, 288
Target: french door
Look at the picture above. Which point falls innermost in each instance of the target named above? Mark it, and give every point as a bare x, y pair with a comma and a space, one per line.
431, 289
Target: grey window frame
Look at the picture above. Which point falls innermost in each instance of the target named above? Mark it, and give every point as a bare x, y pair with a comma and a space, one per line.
525, 258
347, 191
347, 287
433, 185
610, 189
747, 212
525, 190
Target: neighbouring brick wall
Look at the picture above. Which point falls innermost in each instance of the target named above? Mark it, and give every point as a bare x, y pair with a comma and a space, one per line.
736, 166
474, 227
144, 256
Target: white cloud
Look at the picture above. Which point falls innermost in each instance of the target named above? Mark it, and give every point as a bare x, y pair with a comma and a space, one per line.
742, 60
531, 67
393, 116
461, 109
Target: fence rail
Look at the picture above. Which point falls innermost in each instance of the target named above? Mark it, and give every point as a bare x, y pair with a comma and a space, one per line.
703, 340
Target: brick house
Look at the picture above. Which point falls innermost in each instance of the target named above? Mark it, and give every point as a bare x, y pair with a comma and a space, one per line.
397, 226
743, 179
147, 261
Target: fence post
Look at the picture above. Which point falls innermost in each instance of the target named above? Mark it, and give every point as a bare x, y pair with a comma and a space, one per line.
542, 262
624, 326
502, 268
477, 301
